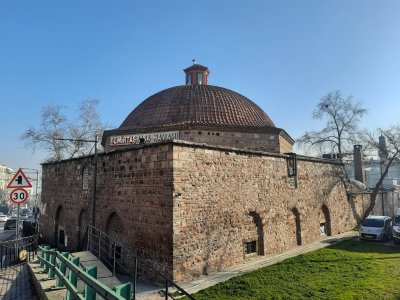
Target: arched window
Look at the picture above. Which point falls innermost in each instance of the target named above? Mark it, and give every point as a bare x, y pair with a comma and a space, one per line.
83, 222
59, 232
199, 78
256, 243
325, 224
189, 78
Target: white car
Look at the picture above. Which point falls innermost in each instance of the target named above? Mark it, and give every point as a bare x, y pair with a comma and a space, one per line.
396, 228
3, 218
376, 228
23, 217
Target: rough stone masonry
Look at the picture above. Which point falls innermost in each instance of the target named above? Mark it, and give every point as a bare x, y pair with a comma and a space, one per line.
194, 209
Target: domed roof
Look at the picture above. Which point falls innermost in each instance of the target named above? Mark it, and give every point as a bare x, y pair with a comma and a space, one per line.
201, 105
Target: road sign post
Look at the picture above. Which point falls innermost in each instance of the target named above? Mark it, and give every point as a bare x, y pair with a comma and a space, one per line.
19, 195
19, 181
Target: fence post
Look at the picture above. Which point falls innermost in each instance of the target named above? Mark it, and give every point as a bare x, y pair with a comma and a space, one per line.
1, 256
90, 293
36, 244
89, 229
166, 289
99, 243
123, 290
45, 255
15, 253
114, 258
135, 277
52, 260
73, 278
63, 269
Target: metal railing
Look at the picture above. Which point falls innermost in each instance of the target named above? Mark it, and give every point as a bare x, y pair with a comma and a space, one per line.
120, 258
11, 252
66, 270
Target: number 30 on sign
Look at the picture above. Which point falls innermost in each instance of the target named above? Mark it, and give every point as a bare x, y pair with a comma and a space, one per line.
18, 196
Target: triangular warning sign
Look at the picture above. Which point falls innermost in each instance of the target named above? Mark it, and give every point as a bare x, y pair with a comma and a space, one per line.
19, 181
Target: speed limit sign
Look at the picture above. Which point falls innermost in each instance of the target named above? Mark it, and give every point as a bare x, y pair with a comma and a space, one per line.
18, 196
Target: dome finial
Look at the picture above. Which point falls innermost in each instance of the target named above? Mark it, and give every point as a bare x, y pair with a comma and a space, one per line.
193, 60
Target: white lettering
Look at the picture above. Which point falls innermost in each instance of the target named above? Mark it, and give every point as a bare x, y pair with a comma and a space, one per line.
145, 138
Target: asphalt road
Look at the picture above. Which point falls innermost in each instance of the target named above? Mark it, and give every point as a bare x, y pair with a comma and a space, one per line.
6, 235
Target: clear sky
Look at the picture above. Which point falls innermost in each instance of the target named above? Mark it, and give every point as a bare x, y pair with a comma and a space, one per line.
283, 55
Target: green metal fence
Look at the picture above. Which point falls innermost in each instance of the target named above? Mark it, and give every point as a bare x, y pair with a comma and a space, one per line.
119, 257
66, 270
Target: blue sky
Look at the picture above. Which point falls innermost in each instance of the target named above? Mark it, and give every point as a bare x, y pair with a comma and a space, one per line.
283, 55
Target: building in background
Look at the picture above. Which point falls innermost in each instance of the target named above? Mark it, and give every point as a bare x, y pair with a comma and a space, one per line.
6, 175
370, 171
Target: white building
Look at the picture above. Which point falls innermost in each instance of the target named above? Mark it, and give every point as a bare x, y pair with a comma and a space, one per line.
6, 175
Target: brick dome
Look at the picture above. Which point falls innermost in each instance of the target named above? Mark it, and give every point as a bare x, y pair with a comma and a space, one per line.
196, 105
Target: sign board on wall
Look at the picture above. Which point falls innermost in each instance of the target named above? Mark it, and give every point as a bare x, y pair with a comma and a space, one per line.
143, 138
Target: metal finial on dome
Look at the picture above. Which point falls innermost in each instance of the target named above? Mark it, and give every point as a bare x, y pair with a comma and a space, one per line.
193, 60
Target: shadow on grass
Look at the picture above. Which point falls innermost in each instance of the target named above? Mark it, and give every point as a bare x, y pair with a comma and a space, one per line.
376, 251
352, 259
357, 245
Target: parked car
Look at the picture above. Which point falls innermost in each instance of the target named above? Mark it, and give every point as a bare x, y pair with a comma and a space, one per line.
10, 224
396, 227
378, 228
23, 216
3, 218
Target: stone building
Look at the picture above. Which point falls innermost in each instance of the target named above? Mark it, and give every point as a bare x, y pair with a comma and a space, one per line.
197, 178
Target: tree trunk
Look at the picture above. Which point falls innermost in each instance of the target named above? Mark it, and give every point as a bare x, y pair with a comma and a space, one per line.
376, 189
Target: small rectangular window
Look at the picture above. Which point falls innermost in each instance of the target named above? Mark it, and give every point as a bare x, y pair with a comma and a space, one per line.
189, 78
199, 78
322, 228
250, 247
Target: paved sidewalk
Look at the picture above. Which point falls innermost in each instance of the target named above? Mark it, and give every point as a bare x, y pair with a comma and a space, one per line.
258, 262
15, 284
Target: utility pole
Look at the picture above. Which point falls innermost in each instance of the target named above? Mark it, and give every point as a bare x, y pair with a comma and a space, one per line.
94, 184
382, 199
36, 190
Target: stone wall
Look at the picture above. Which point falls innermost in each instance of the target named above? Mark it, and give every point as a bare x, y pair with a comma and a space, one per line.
270, 142
134, 200
63, 201
276, 142
193, 209
228, 198
284, 145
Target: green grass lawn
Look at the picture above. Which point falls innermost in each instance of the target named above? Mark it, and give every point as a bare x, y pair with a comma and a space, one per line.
348, 270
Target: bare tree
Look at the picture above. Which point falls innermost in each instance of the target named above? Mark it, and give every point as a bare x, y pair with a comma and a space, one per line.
55, 126
389, 152
342, 117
